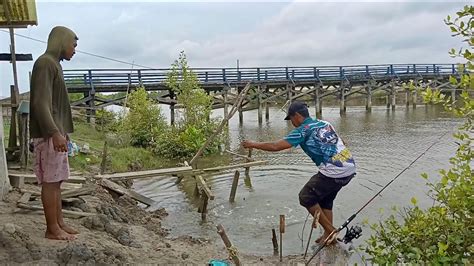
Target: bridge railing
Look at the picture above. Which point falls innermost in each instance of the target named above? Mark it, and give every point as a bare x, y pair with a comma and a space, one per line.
111, 77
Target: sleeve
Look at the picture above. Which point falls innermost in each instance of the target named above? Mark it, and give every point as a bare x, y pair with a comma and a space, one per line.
42, 84
295, 137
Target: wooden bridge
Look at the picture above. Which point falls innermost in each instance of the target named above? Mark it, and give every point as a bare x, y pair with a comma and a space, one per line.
271, 84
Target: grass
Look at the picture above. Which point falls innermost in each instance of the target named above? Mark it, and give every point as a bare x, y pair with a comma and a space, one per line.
120, 158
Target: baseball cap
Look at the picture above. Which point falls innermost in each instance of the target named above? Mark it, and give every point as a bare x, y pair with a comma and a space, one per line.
297, 107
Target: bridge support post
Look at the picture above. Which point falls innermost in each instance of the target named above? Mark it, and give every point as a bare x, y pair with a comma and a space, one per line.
289, 93
394, 99
317, 101
172, 111
414, 98
407, 98
241, 113
226, 107
343, 101
368, 102
260, 107
267, 105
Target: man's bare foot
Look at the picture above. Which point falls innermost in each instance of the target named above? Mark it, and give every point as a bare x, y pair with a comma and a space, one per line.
59, 235
330, 241
66, 228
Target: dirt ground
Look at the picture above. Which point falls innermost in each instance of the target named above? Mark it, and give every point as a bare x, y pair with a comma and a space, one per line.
120, 233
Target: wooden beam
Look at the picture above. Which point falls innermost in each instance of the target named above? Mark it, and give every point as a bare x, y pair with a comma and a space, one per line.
148, 173
31, 178
204, 187
228, 167
123, 191
25, 198
65, 212
77, 192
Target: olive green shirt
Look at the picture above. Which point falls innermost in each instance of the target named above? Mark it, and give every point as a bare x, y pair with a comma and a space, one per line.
50, 110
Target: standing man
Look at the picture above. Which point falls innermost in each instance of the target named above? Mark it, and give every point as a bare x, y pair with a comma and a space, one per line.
320, 142
50, 122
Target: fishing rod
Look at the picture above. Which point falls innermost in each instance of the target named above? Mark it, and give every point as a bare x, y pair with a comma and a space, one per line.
355, 231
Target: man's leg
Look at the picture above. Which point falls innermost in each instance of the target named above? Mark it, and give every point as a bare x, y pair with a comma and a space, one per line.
328, 214
49, 198
325, 221
59, 214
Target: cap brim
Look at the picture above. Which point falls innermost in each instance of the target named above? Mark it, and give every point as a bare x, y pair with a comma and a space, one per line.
287, 117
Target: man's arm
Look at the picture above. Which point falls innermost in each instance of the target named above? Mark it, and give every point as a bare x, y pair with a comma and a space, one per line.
267, 146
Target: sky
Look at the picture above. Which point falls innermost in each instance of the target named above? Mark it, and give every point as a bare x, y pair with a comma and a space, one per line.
218, 33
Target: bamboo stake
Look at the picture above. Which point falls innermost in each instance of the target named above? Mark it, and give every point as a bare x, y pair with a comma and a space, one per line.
247, 169
232, 250
103, 164
274, 241
313, 225
282, 231
235, 182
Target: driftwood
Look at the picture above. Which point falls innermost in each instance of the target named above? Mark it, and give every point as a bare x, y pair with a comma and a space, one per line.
234, 109
123, 191
69, 213
232, 250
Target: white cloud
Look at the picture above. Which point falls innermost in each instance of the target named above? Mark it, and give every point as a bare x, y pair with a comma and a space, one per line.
216, 35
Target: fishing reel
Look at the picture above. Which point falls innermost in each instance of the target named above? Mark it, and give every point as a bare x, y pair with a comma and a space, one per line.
351, 233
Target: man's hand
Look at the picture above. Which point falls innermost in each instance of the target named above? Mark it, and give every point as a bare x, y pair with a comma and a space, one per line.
59, 142
248, 144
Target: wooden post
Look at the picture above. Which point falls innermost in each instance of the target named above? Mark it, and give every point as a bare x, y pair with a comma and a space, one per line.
267, 105
368, 104
289, 93
387, 100
226, 107
203, 210
282, 231
453, 94
241, 113
342, 109
407, 98
14, 93
414, 98
260, 107
4, 182
394, 97
24, 141
247, 169
275, 242
235, 183
317, 102
103, 163
232, 250
172, 111
13, 137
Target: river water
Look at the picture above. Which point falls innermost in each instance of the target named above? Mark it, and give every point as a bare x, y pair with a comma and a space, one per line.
383, 143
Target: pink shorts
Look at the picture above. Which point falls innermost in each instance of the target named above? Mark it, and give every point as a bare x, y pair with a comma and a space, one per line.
50, 166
